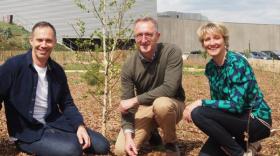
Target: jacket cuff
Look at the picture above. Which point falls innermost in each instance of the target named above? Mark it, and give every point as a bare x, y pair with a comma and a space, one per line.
128, 127
143, 99
77, 124
128, 130
128, 121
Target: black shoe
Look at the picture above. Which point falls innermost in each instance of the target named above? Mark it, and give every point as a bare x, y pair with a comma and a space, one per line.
155, 139
172, 149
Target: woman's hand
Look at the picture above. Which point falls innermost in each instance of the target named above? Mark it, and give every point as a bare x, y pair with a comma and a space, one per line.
188, 110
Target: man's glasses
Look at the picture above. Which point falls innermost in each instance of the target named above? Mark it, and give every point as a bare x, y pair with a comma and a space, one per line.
147, 36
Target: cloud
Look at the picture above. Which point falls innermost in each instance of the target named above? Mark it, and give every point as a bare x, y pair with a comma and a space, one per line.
244, 11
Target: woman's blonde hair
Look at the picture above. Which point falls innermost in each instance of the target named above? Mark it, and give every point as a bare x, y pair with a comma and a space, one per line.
213, 27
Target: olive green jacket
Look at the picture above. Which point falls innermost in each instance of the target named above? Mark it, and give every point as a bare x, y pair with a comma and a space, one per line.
148, 80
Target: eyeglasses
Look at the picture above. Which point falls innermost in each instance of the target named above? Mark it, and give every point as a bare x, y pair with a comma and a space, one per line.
147, 36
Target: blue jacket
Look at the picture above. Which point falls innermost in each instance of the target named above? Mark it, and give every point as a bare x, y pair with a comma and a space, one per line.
18, 82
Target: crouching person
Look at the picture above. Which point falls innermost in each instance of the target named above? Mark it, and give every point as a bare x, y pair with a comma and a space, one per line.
237, 105
152, 93
41, 115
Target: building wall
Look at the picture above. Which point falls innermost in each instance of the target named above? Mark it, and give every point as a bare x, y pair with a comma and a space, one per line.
182, 15
63, 14
183, 33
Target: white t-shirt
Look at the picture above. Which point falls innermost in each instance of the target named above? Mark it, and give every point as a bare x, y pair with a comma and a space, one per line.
41, 100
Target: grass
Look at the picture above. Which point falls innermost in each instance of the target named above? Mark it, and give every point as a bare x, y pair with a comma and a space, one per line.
15, 37
193, 69
16, 29
194, 66
76, 66
195, 73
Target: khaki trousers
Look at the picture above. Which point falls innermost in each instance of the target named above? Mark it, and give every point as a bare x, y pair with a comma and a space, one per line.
164, 113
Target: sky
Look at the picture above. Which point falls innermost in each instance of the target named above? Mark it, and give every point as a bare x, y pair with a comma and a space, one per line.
240, 11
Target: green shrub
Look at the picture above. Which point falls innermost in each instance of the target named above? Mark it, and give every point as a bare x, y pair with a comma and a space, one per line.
95, 77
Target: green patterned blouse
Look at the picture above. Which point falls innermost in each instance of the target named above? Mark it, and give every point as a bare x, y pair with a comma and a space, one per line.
233, 87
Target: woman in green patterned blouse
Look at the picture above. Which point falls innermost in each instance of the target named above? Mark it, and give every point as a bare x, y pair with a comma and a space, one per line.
235, 97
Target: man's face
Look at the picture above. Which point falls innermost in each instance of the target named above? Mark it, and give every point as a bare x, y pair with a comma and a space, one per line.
42, 41
146, 37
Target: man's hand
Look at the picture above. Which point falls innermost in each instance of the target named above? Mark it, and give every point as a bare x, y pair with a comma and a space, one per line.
188, 110
125, 105
130, 147
83, 137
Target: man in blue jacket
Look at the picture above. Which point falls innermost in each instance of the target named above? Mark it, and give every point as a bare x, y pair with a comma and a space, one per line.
41, 115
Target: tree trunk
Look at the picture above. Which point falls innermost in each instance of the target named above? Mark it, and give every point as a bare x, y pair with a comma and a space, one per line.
106, 73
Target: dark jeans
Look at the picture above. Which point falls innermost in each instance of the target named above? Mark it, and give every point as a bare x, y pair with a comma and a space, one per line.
55, 142
226, 131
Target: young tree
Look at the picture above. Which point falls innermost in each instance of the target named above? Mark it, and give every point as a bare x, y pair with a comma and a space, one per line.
115, 30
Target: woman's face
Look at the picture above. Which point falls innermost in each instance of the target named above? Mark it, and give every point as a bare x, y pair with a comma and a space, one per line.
214, 44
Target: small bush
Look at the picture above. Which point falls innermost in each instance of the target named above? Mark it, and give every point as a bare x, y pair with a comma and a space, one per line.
94, 76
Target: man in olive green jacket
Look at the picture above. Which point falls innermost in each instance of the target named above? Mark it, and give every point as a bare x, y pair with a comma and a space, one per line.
152, 92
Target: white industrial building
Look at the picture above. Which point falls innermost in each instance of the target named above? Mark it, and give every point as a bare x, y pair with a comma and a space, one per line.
175, 27
63, 14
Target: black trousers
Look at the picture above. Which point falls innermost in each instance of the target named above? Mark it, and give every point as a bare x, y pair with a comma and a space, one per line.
226, 131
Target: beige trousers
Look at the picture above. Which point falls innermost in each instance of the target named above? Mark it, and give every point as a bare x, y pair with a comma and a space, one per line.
164, 113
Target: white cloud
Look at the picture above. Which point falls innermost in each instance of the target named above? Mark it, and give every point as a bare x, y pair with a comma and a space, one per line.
244, 11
